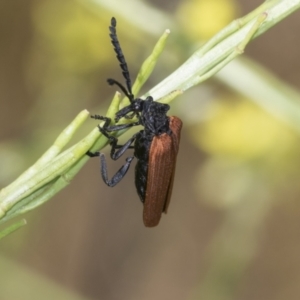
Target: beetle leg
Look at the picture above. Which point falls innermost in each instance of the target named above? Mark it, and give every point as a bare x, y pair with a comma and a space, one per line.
106, 128
106, 119
113, 140
91, 154
118, 176
121, 126
116, 154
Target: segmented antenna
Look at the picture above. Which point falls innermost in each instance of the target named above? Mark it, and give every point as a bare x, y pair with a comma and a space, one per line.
121, 59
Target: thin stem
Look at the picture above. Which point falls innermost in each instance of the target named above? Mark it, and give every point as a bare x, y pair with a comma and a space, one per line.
199, 64
12, 228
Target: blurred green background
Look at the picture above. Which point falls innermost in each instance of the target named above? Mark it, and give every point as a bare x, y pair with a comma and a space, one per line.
232, 230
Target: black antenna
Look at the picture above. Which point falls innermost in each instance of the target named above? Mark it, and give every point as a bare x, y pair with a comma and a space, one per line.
121, 59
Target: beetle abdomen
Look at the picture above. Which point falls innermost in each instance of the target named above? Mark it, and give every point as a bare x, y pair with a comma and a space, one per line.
141, 152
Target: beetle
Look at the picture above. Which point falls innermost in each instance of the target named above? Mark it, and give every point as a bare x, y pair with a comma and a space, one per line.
155, 146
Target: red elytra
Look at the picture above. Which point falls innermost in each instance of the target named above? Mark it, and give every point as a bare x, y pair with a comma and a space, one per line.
162, 163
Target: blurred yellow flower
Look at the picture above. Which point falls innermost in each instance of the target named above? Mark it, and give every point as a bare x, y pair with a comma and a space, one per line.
251, 152
201, 19
77, 38
243, 131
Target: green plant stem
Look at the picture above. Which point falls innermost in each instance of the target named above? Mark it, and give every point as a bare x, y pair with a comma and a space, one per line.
61, 141
200, 63
237, 51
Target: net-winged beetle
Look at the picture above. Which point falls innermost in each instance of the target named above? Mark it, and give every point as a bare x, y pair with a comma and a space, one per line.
155, 147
